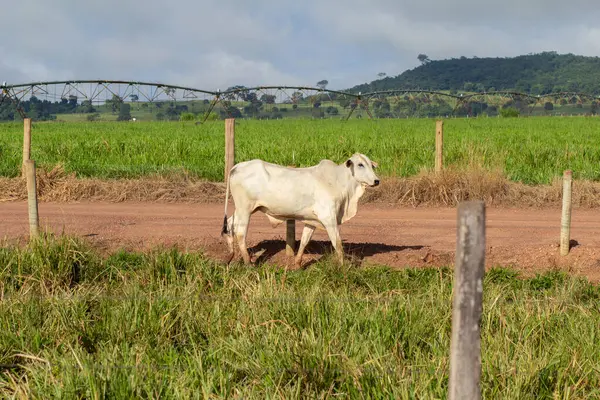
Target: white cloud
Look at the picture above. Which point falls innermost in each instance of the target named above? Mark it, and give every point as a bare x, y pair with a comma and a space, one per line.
588, 41
462, 28
220, 70
217, 43
15, 68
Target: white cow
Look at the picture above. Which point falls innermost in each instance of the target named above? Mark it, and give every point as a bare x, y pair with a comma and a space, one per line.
322, 196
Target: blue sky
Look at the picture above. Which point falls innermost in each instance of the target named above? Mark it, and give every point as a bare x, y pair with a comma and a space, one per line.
210, 44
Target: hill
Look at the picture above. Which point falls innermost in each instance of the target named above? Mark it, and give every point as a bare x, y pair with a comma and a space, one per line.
541, 73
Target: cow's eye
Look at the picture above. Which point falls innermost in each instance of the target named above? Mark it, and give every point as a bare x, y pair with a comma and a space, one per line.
361, 166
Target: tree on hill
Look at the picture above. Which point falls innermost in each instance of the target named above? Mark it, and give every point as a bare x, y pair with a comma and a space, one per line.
423, 58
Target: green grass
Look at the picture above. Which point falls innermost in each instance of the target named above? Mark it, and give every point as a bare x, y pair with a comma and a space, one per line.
530, 150
167, 324
145, 112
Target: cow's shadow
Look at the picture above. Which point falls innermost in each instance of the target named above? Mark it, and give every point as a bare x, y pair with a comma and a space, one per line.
358, 251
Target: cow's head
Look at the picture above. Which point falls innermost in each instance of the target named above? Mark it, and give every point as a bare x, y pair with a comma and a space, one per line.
362, 169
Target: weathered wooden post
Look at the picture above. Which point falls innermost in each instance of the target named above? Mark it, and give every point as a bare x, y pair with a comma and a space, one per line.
565, 223
32, 202
26, 143
467, 305
439, 145
290, 237
229, 146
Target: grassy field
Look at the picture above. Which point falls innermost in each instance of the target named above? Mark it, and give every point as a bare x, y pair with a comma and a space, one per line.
167, 324
529, 150
146, 112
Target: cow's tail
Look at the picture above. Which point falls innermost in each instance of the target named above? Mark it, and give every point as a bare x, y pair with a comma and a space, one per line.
224, 230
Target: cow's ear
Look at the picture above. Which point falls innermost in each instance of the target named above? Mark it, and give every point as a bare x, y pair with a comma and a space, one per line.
349, 163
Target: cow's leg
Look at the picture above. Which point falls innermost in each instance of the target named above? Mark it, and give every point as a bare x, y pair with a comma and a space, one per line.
333, 232
307, 233
240, 222
229, 238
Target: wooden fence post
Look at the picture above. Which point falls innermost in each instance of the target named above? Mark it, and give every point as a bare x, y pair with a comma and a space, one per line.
465, 348
229, 146
290, 237
26, 143
439, 145
565, 223
32, 202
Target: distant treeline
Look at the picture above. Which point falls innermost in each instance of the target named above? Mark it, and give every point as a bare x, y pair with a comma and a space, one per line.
537, 74
543, 73
44, 110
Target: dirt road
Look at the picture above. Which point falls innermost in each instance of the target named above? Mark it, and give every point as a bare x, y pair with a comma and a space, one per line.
524, 239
